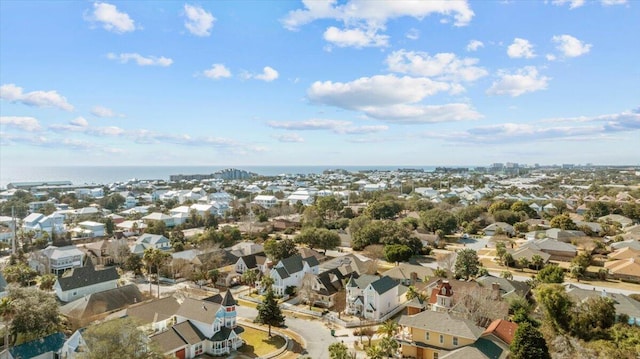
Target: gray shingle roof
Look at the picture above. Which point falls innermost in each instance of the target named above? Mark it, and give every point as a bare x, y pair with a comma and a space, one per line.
86, 276
189, 332
444, 323
384, 284
292, 264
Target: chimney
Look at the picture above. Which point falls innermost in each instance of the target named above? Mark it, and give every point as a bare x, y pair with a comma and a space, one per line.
495, 291
414, 277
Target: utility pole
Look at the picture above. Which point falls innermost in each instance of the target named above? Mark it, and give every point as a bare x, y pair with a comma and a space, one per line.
15, 233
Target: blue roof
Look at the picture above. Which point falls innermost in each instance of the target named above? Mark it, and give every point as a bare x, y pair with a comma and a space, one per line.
50, 343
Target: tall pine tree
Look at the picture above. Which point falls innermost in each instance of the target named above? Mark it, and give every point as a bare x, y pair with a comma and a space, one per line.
269, 312
528, 343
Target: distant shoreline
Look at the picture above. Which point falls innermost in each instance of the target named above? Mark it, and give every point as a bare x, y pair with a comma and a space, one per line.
109, 174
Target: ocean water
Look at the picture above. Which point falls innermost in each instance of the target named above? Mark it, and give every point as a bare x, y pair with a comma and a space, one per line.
108, 174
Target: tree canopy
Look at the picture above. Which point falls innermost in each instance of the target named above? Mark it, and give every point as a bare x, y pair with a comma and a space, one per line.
35, 312
550, 274
318, 238
467, 263
437, 218
279, 249
528, 343
118, 338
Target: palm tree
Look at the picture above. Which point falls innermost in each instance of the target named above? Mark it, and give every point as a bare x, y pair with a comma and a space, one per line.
375, 352
413, 293
388, 328
47, 281
523, 262
250, 277
537, 261
267, 282
155, 259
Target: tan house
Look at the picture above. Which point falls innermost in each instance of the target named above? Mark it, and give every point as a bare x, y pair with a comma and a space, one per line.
625, 269
431, 335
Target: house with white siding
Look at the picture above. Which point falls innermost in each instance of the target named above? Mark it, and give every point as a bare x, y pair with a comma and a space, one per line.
82, 281
372, 297
289, 272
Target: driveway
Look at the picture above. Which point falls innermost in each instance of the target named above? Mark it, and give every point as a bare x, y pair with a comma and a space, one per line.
475, 243
314, 332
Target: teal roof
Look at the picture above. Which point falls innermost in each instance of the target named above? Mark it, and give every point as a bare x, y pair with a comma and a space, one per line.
34, 348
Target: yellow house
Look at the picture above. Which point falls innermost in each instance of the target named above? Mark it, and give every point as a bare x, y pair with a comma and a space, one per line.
431, 335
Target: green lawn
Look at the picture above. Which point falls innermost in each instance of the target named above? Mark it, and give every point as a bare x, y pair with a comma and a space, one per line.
258, 343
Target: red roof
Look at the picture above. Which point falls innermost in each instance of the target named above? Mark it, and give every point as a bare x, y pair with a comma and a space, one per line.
503, 329
448, 292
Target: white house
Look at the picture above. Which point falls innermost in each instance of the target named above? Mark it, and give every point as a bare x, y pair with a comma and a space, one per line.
93, 229
150, 241
158, 216
303, 195
372, 299
40, 223
84, 281
256, 261
56, 259
290, 271
266, 201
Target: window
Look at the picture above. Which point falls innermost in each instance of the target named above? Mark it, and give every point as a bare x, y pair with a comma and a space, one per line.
441, 339
230, 309
427, 336
455, 341
198, 348
435, 355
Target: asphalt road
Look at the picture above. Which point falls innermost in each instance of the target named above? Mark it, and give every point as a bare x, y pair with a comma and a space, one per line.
315, 333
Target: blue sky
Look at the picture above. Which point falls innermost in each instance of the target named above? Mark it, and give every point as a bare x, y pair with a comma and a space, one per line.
350, 82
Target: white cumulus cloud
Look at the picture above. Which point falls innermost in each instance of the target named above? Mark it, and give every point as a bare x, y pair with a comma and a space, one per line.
442, 66
570, 46
101, 111
380, 90
573, 4
110, 18
364, 19
378, 12
140, 60
13, 93
391, 98
268, 74
28, 124
79, 121
521, 48
514, 84
474, 45
199, 21
217, 71
357, 38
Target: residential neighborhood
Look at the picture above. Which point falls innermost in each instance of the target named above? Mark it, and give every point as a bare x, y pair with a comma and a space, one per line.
429, 265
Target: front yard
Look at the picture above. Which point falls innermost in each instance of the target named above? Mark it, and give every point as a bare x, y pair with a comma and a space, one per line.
258, 343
